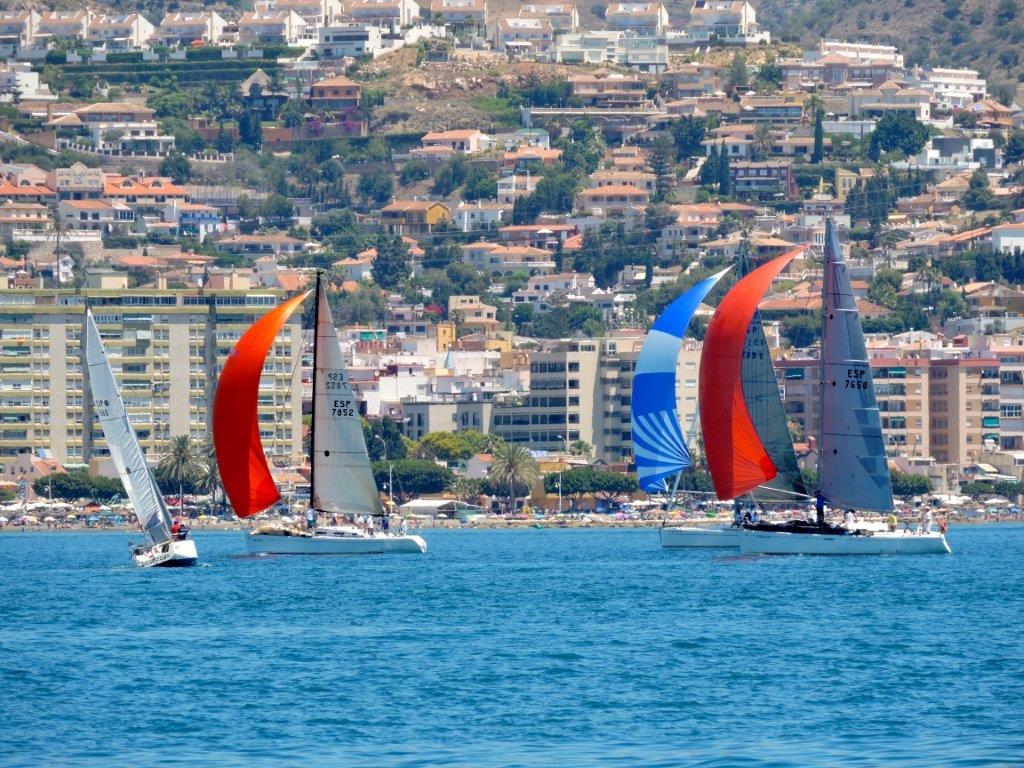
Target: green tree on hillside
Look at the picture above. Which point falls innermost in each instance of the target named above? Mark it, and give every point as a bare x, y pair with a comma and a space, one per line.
898, 133
391, 266
818, 153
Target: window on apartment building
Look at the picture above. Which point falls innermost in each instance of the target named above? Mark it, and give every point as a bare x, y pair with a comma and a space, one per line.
574, 401
574, 384
573, 367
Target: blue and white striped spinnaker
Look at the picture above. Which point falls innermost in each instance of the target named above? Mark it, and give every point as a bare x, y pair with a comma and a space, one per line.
658, 443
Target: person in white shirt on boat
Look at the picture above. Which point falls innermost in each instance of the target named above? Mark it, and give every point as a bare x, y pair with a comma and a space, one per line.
310, 519
405, 527
369, 524
926, 526
849, 520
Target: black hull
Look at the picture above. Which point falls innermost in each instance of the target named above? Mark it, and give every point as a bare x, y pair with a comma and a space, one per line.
176, 564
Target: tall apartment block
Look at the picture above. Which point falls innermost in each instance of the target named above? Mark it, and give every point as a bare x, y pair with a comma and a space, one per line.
582, 389
942, 403
166, 348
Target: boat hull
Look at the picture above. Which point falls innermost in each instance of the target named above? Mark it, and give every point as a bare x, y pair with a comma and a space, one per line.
877, 543
271, 544
167, 554
699, 538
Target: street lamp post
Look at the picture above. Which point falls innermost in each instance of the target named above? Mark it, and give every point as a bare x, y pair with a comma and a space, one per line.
559, 492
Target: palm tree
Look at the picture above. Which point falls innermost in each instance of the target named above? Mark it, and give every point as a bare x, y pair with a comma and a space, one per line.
207, 480
182, 464
763, 139
514, 467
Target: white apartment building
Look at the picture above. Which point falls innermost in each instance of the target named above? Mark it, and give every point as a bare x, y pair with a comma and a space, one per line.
263, 27
563, 16
62, 25
120, 32
316, 13
390, 13
18, 79
643, 53
525, 37
166, 349
185, 27
349, 39
857, 51
642, 18
18, 30
728, 21
953, 88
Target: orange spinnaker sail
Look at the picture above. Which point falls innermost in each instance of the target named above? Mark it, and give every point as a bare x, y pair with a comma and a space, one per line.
236, 432
737, 458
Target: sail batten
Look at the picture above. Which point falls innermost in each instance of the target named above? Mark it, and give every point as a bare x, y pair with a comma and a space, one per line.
122, 442
737, 457
659, 446
853, 468
241, 459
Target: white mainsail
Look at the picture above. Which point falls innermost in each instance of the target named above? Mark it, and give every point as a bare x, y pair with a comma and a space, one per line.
853, 471
122, 441
341, 480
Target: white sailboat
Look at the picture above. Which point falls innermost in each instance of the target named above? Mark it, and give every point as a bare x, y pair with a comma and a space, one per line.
341, 479
661, 450
163, 549
853, 467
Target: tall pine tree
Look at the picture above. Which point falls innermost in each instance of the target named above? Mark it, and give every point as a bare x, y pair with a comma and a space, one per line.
709, 171
723, 172
818, 154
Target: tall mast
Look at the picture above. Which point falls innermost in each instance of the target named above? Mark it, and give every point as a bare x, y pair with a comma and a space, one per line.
312, 422
821, 346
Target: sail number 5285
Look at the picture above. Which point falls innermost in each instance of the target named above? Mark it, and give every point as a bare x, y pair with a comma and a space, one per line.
856, 378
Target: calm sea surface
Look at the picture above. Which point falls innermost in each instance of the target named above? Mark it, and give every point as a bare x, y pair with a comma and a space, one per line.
511, 648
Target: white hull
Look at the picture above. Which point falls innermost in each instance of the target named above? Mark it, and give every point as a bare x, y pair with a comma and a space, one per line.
167, 554
694, 537
878, 543
326, 544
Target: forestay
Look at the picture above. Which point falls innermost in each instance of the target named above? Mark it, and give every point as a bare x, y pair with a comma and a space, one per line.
658, 442
342, 479
853, 470
122, 441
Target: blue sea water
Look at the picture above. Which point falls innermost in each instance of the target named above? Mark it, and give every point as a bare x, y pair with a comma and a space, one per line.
511, 648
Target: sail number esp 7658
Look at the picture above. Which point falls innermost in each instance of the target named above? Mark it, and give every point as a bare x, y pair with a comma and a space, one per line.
856, 378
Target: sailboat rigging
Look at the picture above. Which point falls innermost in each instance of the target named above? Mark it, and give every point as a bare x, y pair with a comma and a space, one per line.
341, 479
164, 549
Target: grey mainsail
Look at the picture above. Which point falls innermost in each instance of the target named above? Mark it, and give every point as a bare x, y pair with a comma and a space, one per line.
853, 471
764, 403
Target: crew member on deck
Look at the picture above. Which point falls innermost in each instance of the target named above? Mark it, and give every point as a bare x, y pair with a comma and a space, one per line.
737, 513
848, 520
176, 527
926, 526
819, 507
310, 519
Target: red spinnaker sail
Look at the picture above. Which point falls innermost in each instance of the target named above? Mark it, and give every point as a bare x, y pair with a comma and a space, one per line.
737, 459
236, 432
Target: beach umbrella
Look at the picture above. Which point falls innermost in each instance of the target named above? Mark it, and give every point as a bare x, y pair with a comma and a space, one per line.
285, 519
49, 519
4, 520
